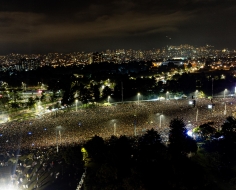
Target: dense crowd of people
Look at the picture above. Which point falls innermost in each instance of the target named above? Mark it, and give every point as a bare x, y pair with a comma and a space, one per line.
57, 130
72, 127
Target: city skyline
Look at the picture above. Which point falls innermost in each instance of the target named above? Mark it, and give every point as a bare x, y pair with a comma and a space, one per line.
71, 26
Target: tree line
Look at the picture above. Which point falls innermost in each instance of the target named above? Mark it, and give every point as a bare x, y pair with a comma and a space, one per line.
146, 162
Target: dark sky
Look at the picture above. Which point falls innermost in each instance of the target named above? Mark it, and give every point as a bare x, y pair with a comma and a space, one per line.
33, 26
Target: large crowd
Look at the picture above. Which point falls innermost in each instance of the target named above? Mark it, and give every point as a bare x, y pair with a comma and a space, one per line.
41, 136
73, 127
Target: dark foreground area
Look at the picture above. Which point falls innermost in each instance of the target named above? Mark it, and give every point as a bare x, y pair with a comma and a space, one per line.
44, 169
144, 162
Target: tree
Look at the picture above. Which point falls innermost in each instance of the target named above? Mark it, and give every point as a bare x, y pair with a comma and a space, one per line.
107, 177
31, 102
119, 151
206, 130
53, 97
96, 92
95, 148
151, 137
72, 155
106, 92
84, 95
189, 66
151, 148
14, 105
180, 142
229, 126
15, 95
4, 101
43, 97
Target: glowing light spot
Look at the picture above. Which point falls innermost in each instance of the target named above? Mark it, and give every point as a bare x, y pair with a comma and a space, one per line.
190, 133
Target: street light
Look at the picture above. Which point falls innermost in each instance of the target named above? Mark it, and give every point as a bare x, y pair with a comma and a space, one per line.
225, 92
135, 123
160, 120
197, 115
58, 128
108, 98
114, 129
24, 90
167, 95
212, 86
138, 98
225, 111
196, 94
76, 101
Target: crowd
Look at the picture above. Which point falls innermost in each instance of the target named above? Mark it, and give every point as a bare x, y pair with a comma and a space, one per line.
41, 136
72, 127
39, 168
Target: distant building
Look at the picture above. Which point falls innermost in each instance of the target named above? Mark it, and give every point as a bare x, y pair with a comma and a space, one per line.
178, 61
97, 57
28, 64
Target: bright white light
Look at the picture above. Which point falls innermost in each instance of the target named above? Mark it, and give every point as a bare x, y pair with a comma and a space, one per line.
209, 106
8, 187
190, 102
190, 133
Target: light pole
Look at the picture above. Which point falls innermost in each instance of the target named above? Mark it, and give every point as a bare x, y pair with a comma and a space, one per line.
57, 141
122, 92
135, 123
108, 99
76, 101
58, 128
60, 136
160, 120
196, 94
24, 90
114, 129
212, 86
225, 111
138, 98
167, 93
225, 92
197, 115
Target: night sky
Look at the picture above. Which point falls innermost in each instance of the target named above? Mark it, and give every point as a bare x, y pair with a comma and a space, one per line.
32, 26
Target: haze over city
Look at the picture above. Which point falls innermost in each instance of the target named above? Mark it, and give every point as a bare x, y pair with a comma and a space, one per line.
68, 26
